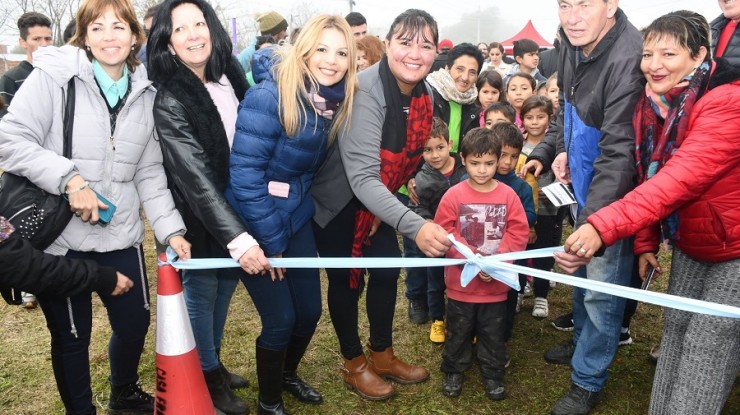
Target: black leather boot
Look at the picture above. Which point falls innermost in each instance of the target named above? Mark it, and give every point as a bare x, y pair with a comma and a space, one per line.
270, 377
235, 381
222, 396
291, 382
129, 399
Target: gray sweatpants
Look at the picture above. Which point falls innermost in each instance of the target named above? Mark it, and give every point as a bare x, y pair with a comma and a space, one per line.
699, 354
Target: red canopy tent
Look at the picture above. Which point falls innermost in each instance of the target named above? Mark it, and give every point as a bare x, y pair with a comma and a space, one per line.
528, 32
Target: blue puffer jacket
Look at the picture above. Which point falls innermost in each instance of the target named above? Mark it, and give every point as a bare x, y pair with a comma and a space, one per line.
262, 153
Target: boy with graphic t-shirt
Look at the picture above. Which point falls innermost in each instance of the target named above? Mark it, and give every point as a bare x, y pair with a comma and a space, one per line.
489, 218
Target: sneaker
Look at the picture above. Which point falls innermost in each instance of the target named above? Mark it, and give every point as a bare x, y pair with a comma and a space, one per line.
452, 385
541, 308
418, 311
495, 389
577, 401
130, 399
437, 333
564, 322
560, 354
528, 292
624, 336
28, 301
519, 299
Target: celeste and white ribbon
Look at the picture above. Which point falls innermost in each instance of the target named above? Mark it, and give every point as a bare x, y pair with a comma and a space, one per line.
495, 265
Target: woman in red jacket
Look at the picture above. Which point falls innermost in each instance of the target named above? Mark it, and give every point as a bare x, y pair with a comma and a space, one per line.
687, 130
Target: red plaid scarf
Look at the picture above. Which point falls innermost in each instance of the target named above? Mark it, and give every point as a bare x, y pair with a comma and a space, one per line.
400, 149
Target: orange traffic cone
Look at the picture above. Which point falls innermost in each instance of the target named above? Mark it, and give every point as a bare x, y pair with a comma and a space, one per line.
181, 388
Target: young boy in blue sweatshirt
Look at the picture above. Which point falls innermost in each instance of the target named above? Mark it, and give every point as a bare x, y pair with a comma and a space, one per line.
442, 169
512, 141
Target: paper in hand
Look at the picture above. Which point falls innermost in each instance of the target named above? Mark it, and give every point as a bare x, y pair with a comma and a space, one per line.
559, 194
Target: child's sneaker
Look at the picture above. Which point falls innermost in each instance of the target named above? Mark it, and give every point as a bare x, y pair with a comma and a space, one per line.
452, 385
624, 336
437, 332
519, 299
541, 309
564, 322
495, 389
528, 292
29, 301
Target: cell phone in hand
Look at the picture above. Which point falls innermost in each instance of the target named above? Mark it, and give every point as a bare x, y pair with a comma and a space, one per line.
106, 215
648, 278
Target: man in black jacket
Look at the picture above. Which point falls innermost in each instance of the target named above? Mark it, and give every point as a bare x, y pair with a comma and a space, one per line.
24, 268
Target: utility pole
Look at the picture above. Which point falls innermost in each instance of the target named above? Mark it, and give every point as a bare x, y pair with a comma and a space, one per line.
351, 3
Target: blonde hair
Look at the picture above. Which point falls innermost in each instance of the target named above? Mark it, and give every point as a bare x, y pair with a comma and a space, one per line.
124, 10
292, 73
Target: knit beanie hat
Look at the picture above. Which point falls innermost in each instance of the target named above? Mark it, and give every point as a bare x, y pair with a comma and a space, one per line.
272, 23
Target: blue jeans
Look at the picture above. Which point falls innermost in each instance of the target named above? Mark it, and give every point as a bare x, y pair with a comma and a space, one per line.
291, 306
207, 296
597, 317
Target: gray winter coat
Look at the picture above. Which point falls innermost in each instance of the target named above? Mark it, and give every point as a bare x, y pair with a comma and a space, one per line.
126, 167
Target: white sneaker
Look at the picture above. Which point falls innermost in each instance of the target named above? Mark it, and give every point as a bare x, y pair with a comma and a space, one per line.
541, 308
519, 299
528, 289
29, 300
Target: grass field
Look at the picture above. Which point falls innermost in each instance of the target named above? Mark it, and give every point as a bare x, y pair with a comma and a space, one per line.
27, 383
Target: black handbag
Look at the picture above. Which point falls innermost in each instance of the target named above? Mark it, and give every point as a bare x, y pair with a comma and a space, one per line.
37, 215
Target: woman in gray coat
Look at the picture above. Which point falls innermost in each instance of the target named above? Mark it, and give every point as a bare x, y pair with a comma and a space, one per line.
114, 154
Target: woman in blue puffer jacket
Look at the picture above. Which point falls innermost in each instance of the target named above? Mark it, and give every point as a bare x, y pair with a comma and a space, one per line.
284, 126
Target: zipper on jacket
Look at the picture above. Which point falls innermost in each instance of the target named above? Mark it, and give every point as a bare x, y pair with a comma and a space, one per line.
31, 206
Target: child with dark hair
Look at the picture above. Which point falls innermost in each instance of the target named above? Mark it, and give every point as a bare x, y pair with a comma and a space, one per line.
499, 112
489, 84
489, 219
552, 91
519, 87
526, 53
511, 141
442, 169
536, 114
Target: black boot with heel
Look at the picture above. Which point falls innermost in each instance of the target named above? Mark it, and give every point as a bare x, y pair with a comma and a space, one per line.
291, 382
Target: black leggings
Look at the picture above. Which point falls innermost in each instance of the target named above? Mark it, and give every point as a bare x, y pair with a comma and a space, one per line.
335, 240
70, 323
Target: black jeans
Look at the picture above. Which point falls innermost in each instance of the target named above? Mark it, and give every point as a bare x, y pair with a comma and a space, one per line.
70, 323
335, 240
487, 321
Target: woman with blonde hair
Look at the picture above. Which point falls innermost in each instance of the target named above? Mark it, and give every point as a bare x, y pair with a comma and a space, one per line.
114, 154
285, 124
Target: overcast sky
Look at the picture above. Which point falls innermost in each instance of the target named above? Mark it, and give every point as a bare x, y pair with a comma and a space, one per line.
543, 13
515, 13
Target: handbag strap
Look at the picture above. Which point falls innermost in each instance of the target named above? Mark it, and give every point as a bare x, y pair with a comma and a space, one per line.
69, 118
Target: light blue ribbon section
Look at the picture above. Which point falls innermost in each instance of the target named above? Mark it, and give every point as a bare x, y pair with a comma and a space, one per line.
493, 265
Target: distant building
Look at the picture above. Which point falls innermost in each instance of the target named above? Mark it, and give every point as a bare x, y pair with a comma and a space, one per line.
9, 60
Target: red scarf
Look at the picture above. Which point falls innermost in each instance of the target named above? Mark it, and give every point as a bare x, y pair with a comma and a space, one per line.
401, 148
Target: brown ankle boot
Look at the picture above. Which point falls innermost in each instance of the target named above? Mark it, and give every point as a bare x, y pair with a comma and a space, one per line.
358, 377
388, 366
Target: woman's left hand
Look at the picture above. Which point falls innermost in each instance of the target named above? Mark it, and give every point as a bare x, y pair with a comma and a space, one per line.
580, 247
181, 246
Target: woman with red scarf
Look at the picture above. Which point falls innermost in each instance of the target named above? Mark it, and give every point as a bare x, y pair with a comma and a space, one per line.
354, 191
687, 129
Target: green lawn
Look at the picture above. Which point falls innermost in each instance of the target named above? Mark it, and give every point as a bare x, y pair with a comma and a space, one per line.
27, 384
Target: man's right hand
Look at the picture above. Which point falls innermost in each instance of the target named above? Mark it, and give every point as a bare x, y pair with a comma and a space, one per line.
560, 168
432, 240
